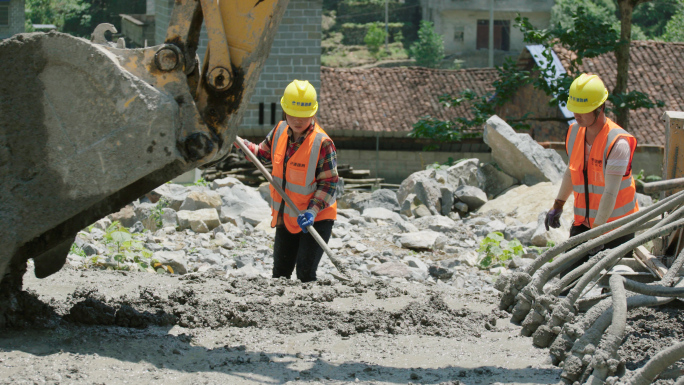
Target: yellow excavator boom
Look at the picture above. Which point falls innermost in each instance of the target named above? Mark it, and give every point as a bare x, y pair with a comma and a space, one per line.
88, 126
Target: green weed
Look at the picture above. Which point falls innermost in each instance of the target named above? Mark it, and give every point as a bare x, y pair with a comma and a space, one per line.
494, 253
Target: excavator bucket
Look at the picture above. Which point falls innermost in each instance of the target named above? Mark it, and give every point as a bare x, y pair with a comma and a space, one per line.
87, 128
79, 137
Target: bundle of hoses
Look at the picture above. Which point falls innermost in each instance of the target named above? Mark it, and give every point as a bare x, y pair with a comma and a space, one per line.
545, 316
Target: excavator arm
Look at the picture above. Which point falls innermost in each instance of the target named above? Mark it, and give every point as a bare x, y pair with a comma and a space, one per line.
88, 126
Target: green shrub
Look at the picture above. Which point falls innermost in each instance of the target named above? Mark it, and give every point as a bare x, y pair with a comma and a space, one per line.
429, 49
493, 253
375, 38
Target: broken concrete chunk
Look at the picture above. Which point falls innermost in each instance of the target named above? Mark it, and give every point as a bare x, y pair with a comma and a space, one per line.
436, 223
521, 156
466, 173
224, 182
126, 216
421, 211
382, 213
169, 217
472, 196
173, 193
422, 240
255, 215
197, 200
392, 269
191, 219
496, 181
175, 259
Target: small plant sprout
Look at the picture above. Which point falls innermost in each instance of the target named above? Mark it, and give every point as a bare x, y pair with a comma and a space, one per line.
493, 253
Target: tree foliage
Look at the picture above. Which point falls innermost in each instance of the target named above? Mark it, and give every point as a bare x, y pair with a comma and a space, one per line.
587, 34
429, 49
80, 17
674, 30
375, 38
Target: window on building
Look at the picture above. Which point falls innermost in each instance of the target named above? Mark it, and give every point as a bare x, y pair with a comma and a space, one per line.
4, 14
458, 34
502, 34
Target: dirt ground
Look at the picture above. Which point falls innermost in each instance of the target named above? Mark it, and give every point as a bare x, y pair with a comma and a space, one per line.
265, 331
105, 327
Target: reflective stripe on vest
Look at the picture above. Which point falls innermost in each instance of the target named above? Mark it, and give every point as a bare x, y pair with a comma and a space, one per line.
599, 189
617, 211
626, 202
298, 176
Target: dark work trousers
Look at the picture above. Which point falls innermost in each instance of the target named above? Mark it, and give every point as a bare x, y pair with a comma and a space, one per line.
299, 249
576, 230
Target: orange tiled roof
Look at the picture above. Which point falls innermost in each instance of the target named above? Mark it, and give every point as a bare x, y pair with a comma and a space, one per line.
392, 99
655, 68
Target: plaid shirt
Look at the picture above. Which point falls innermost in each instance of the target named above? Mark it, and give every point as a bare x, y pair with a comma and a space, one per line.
326, 169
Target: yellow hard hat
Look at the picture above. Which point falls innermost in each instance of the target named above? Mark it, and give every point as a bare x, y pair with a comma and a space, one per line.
299, 99
587, 93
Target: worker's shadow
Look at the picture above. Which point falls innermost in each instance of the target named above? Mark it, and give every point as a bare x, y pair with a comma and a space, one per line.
155, 346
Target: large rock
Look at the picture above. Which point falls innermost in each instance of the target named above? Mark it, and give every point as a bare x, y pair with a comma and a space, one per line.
256, 215
426, 185
524, 203
521, 156
382, 213
522, 233
466, 173
239, 198
496, 181
436, 223
392, 269
472, 196
126, 216
173, 193
198, 200
362, 200
422, 240
175, 259
225, 182
201, 221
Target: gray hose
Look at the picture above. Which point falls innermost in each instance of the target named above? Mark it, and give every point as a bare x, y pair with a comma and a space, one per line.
646, 374
518, 294
651, 290
673, 272
651, 211
606, 358
564, 311
592, 336
619, 252
573, 256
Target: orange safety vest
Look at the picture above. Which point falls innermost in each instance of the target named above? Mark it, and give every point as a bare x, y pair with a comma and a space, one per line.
299, 182
588, 181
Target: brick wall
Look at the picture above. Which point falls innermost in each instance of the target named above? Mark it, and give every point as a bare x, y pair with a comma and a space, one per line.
16, 19
295, 54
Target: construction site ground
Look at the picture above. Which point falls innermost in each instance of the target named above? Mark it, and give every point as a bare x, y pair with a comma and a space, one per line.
369, 332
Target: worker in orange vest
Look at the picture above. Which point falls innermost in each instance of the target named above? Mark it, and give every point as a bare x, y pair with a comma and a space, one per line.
304, 162
599, 169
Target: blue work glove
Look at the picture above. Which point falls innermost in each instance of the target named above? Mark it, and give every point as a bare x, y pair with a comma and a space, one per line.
305, 220
553, 216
